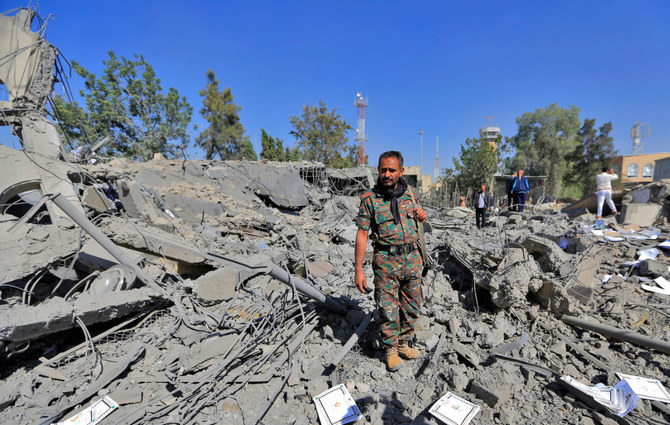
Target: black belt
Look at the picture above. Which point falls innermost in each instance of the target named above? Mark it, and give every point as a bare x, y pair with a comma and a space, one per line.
396, 249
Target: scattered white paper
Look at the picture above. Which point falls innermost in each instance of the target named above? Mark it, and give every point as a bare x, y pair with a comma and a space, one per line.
665, 244
336, 406
453, 410
646, 254
92, 414
606, 278
619, 399
660, 281
647, 388
615, 238
598, 232
651, 233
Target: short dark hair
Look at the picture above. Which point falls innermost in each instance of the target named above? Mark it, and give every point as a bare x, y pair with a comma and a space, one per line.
605, 169
391, 154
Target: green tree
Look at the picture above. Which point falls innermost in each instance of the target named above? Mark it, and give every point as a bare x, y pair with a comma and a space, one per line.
321, 136
476, 164
128, 104
594, 151
274, 150
543, 140
225, 135
75, 125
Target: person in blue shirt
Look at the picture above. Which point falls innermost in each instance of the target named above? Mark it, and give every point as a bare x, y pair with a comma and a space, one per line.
520, 187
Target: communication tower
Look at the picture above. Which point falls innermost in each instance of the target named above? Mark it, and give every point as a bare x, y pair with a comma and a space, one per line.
361, 103
437, 160
638, 131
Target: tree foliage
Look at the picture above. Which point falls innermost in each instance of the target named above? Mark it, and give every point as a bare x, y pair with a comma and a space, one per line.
321, 136
594, 151
128, 104
543, 140
274, 150
225, 136
476, 164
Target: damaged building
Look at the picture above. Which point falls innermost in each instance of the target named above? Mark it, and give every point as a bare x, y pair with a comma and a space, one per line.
174, 291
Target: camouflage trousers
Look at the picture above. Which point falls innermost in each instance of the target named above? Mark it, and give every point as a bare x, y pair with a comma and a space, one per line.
398, 294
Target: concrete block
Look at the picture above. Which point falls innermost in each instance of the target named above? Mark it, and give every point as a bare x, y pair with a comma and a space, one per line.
515, 219
137, 204
96, 201
640, 214
217, 285
653, 268
490, 394
546, 252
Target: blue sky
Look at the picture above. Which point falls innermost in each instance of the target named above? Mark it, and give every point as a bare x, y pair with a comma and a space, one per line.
437, 66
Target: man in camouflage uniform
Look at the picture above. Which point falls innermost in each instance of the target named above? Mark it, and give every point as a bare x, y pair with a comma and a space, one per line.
390, 211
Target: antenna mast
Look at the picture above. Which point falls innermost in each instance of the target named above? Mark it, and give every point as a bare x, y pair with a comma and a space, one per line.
361, 103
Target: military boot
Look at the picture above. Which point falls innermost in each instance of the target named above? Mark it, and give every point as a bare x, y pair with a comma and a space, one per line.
407, 352
393, 362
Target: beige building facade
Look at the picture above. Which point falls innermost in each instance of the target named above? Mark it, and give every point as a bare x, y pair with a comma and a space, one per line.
636, 168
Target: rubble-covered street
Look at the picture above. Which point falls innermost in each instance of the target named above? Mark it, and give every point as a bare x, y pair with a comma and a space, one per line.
222, 292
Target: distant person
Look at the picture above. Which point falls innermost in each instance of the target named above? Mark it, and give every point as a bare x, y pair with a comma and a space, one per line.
509, 184
462, 201
482, 202
520, 187
604, 183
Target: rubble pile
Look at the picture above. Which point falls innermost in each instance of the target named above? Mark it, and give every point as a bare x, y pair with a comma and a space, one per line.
222, 292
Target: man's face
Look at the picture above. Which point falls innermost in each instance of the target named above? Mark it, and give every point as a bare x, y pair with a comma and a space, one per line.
483, 188
520, 173
390, 171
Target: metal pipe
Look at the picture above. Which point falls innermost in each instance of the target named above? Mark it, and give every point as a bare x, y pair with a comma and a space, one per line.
620, 334
247, 271
354, 338
97, 234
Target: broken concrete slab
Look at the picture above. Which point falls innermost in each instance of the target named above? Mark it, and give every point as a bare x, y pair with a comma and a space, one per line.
217, 285
159, 242
25, 323
32, 248
546, 252
641, 214
138, 204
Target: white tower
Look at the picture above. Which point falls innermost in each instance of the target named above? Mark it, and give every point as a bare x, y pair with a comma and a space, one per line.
638, 131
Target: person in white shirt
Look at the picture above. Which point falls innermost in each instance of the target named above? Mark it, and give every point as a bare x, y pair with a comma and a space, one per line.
482, 202
604, 182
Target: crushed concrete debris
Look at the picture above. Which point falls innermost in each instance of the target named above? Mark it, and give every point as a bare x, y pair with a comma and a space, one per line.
244, 308
230, 330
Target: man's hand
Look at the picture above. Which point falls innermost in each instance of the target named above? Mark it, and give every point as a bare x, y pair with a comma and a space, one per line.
420, 214
361, 282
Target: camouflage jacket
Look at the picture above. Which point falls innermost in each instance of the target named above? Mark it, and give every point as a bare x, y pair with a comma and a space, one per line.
375, 214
